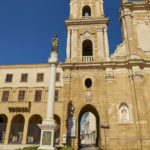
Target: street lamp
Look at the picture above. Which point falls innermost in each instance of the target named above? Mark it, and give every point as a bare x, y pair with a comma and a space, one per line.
105, 126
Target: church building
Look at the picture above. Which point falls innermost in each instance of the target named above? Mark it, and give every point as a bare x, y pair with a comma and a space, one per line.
114, 88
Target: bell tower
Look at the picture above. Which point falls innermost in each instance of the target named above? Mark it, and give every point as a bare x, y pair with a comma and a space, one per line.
87, 39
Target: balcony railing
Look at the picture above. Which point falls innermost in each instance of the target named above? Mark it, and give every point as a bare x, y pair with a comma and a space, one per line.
87, 58
86, 17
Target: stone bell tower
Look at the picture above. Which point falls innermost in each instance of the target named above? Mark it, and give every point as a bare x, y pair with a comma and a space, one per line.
87, 39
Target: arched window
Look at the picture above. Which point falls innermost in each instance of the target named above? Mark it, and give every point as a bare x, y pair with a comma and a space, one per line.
124, 113
87, 48
86, 11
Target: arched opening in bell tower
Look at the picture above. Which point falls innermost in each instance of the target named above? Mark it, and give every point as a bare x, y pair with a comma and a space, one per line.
86, 11
88, 127
87, 48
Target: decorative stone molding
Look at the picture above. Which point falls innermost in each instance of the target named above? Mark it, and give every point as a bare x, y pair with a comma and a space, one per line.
87, 21
16, 107
136, 73
66, 77
88, 95
87, 35
136, 76
127, 16
109, 75
100, 30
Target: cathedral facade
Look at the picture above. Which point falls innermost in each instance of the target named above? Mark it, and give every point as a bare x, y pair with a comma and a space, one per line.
114, 88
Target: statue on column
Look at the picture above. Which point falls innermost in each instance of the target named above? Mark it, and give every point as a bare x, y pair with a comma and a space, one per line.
55, 43
54, 51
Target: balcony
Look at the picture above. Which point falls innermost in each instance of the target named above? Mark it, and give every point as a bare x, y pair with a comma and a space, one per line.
19, 106
87, 58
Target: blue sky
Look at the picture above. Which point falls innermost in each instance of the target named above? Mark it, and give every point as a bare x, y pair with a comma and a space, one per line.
27, 27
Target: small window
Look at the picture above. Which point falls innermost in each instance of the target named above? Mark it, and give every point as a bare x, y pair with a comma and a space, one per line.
21, 96
38, 95
88, 83
5, 96
24, 77
86, 11
9, 78
57, 76
40, 77
56, 95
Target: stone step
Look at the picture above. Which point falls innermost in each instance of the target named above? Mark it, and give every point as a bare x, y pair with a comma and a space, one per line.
12, 146
88, 147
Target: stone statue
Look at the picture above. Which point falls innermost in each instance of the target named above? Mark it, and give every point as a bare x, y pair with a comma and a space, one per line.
55, 44
124, 115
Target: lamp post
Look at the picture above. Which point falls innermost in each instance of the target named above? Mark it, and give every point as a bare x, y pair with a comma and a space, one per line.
105, 126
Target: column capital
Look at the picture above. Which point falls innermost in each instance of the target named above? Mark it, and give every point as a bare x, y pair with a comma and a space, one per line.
99, 29
105, 29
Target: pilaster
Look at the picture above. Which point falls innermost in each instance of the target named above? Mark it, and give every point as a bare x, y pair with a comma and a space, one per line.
106, 44
6, 140
25, 131
74, 45
100, 43
68, 51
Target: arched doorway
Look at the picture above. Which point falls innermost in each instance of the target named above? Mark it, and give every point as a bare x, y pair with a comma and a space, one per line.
88, 126
3, 124
16, 130
57, 130
34, 132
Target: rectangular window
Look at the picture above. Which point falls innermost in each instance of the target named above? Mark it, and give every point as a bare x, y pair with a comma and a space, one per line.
9, 78
21, 96
40, 77
56, 95
38, 95
57, 76
24, 77
5, 96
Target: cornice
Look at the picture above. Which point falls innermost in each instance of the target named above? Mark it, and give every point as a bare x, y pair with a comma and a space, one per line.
87, 21
136, 5
25, 66
104, 65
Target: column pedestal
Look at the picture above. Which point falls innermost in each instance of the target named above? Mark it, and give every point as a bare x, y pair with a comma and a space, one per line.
47, 136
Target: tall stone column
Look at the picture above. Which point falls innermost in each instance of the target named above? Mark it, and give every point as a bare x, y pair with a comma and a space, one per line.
106, 44
48, 125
